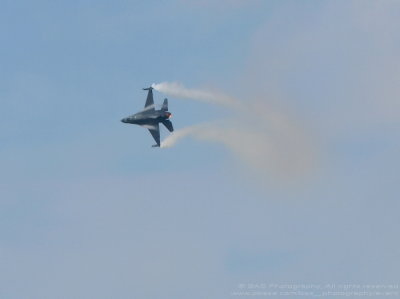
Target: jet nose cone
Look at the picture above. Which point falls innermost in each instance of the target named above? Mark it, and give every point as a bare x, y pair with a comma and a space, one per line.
123, 120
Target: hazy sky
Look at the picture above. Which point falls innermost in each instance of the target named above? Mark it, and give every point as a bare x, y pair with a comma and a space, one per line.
89, 210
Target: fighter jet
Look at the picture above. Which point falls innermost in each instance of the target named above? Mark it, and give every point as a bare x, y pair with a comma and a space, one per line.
151, 118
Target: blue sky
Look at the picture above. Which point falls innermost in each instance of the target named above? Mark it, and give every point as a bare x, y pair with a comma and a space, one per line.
89, 210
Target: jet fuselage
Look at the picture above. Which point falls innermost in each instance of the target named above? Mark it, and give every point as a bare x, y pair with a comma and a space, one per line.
147, 117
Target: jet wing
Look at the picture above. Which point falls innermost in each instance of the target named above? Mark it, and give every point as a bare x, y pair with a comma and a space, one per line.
155, 132
149, 101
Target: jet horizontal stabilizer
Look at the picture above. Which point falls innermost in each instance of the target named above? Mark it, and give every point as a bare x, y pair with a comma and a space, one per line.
168, 124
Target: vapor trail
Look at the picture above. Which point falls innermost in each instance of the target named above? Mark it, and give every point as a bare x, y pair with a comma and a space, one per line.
174, 137
264, 139
177, 90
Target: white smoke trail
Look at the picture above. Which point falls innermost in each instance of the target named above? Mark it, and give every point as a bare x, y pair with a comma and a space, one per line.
177, 90
262, 138
174, 137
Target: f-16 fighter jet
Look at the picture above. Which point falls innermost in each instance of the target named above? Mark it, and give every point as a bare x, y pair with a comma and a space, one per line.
151, 118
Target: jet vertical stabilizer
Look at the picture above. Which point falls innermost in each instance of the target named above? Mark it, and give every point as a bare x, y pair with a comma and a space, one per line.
165, 105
